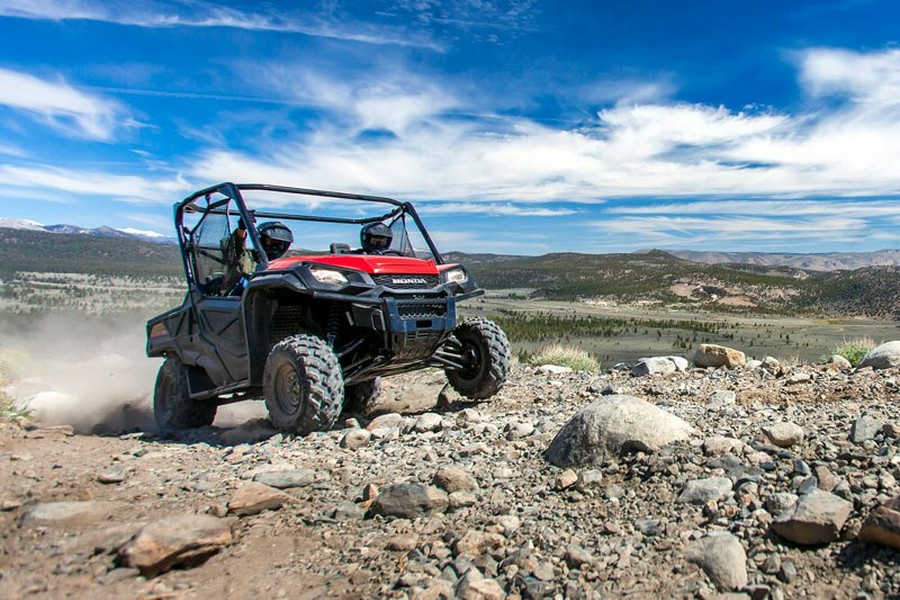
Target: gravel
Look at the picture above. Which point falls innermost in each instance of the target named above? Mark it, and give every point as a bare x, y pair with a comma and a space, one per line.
462, 500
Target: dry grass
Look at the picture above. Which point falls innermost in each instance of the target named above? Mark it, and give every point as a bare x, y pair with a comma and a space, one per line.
566, 356
855, 350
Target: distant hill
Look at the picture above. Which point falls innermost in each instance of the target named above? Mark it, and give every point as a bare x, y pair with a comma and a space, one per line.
655, 277
831, 261
661, 278
40, 250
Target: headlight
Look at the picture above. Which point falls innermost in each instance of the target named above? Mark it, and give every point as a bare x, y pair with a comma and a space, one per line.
456, 276
329, 276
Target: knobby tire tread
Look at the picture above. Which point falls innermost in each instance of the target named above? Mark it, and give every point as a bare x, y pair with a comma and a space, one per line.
498, 356
322, 392
179, 412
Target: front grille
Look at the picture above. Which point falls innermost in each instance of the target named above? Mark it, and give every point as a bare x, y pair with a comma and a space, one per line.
407, 282
422, 311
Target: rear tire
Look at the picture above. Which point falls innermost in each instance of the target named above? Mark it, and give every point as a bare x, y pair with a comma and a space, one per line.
303, 385
173, 408
486, 356
361, 397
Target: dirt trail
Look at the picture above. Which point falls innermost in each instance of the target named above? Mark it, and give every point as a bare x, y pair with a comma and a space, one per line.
517, 530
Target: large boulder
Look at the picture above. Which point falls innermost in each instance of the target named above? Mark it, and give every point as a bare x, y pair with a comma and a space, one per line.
885, 356
613, 425
711, 355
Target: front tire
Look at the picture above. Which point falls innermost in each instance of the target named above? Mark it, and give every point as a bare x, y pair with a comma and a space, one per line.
303, 385
173, 408
485, 355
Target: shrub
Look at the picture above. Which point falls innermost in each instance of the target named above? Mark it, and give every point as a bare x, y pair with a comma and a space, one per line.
8, 407
854, 350
566, 356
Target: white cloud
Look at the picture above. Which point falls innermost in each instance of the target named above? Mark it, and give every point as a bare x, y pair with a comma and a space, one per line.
731, 226
625, 92
841, 150
126, 188
388, 98
447, 241
444, 148
775, 208
731, 231
434, 156
12, 150
865, 77
162, 13
494, 210
645, 132
59, 105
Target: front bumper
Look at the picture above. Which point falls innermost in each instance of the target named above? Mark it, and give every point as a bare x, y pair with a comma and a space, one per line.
412, 328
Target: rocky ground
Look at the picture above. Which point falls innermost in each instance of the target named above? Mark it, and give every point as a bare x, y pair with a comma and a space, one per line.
461, 499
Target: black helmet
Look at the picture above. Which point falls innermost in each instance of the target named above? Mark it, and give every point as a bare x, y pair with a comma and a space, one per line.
276, 238
376, 237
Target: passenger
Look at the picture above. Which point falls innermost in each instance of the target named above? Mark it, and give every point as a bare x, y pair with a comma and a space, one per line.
376, 238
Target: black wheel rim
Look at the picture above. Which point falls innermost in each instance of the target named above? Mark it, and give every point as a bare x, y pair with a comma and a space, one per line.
287, 390
471, 358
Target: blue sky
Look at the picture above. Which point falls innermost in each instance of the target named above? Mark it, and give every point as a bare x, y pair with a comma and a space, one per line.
516, 126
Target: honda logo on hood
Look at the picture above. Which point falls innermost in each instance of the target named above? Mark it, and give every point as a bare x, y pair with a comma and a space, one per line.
408, 281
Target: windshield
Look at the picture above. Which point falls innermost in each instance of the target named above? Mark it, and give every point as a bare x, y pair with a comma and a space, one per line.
331, 225
319, 222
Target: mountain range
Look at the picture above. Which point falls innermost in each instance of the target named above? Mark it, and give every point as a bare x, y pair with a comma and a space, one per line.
102, 231
744, 283
831, 261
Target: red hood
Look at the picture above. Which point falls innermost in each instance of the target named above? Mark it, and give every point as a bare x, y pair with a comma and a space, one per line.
371, 264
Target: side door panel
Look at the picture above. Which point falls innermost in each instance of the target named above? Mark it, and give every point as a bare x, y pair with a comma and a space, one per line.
222, 327
217, 341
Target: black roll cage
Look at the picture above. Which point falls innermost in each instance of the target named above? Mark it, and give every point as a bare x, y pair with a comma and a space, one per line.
232, 191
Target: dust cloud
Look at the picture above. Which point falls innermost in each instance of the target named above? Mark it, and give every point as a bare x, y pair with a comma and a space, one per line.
90, 373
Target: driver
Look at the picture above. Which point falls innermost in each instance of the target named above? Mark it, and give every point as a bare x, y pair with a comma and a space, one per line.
238, 261
276, 238
376, 238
